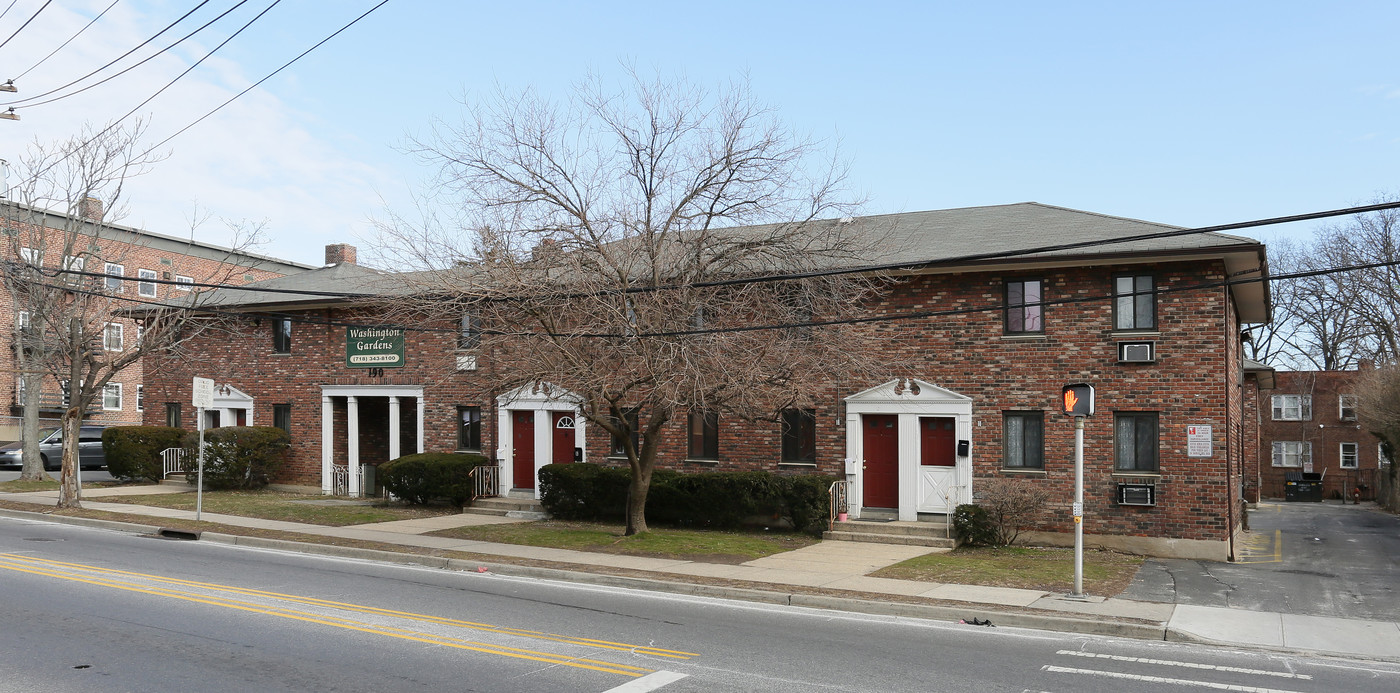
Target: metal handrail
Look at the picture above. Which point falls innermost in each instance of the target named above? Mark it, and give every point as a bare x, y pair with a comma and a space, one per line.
486, 481
340, 480
172, 461
838, 502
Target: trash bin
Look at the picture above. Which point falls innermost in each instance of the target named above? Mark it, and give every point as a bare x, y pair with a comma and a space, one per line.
1303, 487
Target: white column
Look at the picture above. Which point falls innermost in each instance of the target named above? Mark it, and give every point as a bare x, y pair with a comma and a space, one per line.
579, 437
352, 448
544, 444
855, 445
394, 428
908, 467
420, 401
327, 445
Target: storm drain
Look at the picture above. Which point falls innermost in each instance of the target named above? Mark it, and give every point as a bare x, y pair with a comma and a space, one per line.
177, 534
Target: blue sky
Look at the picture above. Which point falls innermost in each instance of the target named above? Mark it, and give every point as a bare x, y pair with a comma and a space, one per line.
1183, 113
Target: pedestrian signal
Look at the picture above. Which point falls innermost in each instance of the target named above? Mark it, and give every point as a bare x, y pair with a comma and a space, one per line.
1079, 400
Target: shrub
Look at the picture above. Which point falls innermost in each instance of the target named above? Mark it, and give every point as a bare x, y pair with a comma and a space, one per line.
237, 457
706, 499
1011, 504
431, 476
973, 526
133, 452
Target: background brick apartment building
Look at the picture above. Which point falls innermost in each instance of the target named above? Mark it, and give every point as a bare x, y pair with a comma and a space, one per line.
147, 266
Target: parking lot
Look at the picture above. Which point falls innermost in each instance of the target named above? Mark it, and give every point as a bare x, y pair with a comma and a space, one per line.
1315, 559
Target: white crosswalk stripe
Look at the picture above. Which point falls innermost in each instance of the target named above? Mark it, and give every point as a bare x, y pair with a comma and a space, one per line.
1162, 679
1188, 665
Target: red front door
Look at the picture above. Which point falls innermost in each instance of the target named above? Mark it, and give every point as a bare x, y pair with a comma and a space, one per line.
563, 437
937, 441
523, 448
880, 476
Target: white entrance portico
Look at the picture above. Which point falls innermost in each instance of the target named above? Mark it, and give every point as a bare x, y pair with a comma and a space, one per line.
539, 424
349, 477
911, 441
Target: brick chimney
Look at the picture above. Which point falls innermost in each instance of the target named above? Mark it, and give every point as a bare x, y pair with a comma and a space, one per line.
91, 209
337, 253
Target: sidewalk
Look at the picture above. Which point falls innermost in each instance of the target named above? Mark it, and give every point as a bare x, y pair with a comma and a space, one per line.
833, 565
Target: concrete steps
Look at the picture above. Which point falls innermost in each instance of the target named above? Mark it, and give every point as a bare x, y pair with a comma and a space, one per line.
931, 534
522, 508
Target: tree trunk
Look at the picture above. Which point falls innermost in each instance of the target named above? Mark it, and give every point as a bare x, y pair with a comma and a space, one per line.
69, 492
637, 495
33, 465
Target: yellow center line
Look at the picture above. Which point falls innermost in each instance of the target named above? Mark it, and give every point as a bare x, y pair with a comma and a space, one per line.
35, 567
311, 601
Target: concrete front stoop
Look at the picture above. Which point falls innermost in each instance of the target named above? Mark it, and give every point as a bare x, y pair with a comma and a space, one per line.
519, 508
933, 534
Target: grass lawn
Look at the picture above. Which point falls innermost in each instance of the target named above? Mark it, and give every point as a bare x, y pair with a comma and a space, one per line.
273, 505
708, 546
1051, 569
17, 486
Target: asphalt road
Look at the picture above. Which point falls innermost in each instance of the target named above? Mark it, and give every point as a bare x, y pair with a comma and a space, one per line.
1313, 559
87, 610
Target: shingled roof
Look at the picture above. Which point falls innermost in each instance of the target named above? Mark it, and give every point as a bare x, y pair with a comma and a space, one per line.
1002, 236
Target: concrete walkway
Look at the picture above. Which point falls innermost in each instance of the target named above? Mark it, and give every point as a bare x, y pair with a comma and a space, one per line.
839, 565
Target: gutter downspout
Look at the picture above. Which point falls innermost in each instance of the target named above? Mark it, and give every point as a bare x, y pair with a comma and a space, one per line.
1229, 477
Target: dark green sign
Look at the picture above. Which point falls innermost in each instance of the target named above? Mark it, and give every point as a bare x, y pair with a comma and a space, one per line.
374, 347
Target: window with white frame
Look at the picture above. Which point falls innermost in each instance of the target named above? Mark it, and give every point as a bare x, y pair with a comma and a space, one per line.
140, 334
1349, 455
72, 265
147, 286
184, 283
1346, 407
23, 320
1292, 407
32, 256
1292, 453
114, 274
1382, 459
112, 337
112, 397
140, 398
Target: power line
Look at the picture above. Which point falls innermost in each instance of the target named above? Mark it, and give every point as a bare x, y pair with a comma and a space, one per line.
7, 8
269, 76
70, 40
25, 24
113, 61
870, 319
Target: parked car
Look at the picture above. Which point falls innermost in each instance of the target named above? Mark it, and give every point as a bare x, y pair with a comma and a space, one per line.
51, 449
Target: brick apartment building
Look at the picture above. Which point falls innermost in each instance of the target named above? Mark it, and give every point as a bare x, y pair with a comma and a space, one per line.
1143, 315
157, 268
1308, 423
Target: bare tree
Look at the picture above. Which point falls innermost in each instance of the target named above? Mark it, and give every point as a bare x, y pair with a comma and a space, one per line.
74, 322
613, 249
1378, 409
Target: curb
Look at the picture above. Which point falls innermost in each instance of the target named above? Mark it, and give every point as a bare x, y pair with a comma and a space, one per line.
932, 612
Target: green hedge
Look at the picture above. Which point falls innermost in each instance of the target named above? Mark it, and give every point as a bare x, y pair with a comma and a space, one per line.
431, 476
237, 457
133, 452
973, 525
706, 499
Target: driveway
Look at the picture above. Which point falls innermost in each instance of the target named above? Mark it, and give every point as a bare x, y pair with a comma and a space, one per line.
1313, 559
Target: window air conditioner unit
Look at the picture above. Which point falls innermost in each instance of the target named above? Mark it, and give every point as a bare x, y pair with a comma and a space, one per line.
1137, 352
1137, 494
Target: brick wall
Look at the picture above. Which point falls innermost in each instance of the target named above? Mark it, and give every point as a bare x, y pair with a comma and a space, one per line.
1194, 381
1325, 429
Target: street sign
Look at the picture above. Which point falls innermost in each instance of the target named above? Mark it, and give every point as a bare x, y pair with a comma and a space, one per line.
203, 393
1078, 399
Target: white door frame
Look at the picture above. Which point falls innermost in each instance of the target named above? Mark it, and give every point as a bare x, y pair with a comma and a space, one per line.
909, 399
541, 399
